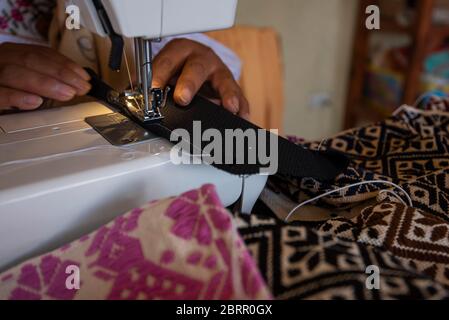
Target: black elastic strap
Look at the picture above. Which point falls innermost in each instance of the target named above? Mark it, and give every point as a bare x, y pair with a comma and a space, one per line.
293, 160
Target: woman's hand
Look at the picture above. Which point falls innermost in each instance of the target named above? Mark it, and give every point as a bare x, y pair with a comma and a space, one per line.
195, 65
29, 73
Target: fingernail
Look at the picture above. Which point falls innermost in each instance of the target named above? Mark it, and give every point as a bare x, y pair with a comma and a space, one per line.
33, 101
81, 72
234, 104
156, 83
83, 86
65, 92
185, 96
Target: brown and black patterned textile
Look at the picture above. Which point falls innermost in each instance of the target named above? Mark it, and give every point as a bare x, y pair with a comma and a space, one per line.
365, 227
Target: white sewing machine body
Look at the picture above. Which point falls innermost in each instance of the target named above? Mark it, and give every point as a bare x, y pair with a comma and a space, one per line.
162, 18
60, 179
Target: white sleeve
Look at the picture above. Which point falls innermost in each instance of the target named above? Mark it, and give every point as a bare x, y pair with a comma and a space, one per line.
226, 55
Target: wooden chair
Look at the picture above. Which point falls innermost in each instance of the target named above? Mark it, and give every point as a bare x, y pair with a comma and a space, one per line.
262, 71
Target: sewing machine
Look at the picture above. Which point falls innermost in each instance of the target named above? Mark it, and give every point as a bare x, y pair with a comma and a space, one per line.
60, 178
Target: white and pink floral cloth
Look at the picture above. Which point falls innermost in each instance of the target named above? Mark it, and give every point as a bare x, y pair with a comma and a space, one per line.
179, 248
27, 19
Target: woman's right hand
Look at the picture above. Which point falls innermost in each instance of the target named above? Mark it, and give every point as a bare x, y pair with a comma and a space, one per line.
30, 73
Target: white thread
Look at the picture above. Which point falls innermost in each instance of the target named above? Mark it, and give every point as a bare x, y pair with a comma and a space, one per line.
321, 144
423, 96
420, 99
128, 70
409, 199
394, 194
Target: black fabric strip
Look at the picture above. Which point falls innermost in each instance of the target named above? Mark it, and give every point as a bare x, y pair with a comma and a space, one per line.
293, 160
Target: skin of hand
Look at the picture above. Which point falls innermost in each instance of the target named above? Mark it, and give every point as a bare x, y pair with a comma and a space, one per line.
30, 73
197, 69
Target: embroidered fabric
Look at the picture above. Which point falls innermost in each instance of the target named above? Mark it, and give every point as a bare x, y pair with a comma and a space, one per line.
26, 18
180, 248
358, 227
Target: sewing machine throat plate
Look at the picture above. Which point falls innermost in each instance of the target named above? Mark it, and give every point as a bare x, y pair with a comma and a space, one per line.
119, 130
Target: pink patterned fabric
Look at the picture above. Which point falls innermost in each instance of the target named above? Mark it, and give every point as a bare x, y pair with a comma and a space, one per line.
26, 18
179, 248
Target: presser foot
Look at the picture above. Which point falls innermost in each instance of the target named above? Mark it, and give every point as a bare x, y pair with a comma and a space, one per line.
124, 126
134, 102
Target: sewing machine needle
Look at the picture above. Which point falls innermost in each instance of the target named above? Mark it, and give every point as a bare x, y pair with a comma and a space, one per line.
138, 61
128, 71
147, 73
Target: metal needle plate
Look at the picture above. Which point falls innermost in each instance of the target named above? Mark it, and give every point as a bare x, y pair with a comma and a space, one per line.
118, 129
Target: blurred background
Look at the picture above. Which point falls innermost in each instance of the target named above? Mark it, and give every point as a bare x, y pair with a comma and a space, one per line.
316, 39
338, 74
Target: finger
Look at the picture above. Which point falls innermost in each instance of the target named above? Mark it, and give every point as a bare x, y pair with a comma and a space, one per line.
169, 61
63, 60
244, 110
48, 62
50, 53
62, 72
195, 73
14, 98
24, 79
229, 91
